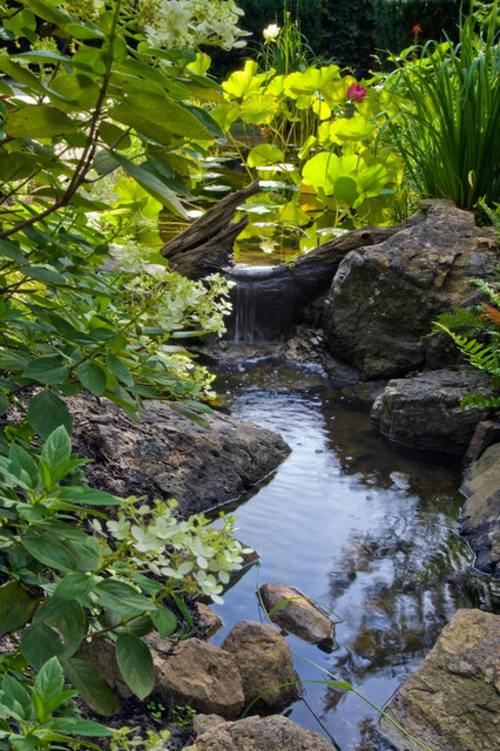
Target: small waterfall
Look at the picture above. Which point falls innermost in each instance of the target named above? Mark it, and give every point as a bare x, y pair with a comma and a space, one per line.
245, 306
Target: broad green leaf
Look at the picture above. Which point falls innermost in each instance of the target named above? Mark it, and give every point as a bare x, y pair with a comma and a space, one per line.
57, 448
68, 618
44, 273
16, 607
345, 189
83, 31
243, 83
38, 121
50, 679
80, 494
79, 726
153, 185
46, 412
51, 553
92, 687
264, 153
76, 586
15, 697
40, 643
122, 598
164, 621
21, 459
136, 664
260, 109
92, 377
113, 136
48, 370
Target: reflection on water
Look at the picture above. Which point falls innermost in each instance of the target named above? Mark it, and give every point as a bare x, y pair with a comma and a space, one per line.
365, 530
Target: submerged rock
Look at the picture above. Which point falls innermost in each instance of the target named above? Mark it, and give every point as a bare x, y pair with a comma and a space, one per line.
164, 455
480, 523
424, 411
275, 733
384, 297
452, 702
296, 613
265, 664
202, 675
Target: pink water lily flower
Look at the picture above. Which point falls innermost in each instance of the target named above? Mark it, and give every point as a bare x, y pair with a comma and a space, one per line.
356, 93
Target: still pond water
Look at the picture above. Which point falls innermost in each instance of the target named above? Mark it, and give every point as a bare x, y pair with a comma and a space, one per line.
367, 531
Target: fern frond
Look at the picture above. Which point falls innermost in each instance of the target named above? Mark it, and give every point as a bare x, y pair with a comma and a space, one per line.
465, 320
478, 354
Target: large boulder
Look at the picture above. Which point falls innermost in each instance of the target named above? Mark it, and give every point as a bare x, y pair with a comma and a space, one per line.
424, 411
275, 733
480, 523
202, 675
165, 455
296, 613
265, 664
384, 297
452, 702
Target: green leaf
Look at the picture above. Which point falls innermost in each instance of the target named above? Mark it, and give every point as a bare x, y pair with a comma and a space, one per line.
4, 403
88, 496
16, 697
12, 251
79, 726
40, 643
75, 586
92, 377
264, 153
164, 621
48, 370
83, 31
56, 450
153, 185
46, 412
16, 607
68, 618
44, 273
50, 679
113, 136
21, 459
38, 121
136, 664
51, 553
122, 598
92, 687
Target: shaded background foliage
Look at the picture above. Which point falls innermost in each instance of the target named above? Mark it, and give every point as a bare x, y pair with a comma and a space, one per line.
350, 32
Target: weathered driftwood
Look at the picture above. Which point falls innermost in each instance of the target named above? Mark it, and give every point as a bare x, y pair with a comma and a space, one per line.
278, 295
207, 244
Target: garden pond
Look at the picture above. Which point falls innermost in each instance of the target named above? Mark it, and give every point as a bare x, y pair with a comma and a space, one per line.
366, 530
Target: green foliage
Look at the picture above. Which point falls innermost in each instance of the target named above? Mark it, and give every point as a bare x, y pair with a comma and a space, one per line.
399, 22
476, 333
42, 716
348, 32
70, 576
447, 102
80, 168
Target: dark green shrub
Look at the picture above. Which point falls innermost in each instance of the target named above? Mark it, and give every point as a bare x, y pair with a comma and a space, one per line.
395, 21
348, 32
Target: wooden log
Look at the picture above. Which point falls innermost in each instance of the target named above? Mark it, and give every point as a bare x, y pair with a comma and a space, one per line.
207, 244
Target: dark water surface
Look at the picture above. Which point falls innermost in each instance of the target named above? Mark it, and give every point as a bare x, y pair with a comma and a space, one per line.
367, 531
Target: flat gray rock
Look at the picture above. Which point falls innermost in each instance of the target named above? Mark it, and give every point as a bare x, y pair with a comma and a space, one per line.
164, 455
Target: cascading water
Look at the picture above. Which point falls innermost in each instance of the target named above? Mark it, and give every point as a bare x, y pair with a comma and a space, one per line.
248, 302
245, 305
